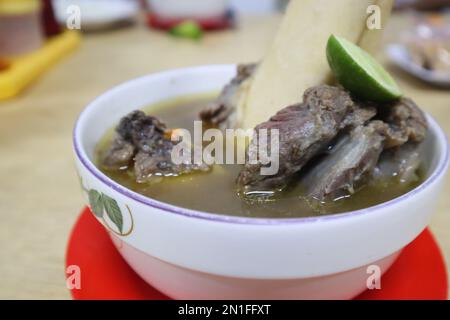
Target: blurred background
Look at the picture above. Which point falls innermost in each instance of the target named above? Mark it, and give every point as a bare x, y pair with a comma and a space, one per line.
56, 56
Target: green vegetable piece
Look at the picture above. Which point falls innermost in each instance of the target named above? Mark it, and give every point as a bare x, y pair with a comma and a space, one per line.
187, 29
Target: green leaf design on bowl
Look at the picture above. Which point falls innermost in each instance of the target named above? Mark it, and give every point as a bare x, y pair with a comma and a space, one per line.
113, 211
96, 202
100, 202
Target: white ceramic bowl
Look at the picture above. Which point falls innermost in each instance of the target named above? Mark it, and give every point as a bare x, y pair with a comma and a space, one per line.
189, 254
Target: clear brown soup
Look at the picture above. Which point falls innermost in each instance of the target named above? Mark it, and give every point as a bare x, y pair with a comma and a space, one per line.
215, 191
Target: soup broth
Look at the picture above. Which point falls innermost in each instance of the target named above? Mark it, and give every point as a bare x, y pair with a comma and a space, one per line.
215, 191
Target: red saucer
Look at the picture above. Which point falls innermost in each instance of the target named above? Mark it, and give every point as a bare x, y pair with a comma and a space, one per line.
419, 272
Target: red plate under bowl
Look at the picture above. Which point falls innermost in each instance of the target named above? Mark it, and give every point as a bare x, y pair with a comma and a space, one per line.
419, 272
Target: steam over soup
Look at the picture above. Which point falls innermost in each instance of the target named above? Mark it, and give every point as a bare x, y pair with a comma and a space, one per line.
215, 190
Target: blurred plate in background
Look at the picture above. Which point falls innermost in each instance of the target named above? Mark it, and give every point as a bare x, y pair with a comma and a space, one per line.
400, 55
98, 14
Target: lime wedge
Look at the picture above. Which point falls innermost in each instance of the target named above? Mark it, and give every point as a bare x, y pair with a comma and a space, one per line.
359, 72
187, 29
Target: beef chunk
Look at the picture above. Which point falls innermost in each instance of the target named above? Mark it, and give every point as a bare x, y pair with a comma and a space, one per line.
400, 162
305, 130
146, 141
222, 112
136, 131
406, 123
119, 154
359, 116
309, 129
146, 133
355, 158
346, 167
159, 164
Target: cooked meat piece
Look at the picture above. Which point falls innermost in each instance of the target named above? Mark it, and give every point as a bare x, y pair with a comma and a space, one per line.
222, 112
136, 131
359, 116
143, 131
310, 128
147, 139
119, 154
354, 160
406, 123
346, 167
159, 164
401, 162
305, 130
404, 128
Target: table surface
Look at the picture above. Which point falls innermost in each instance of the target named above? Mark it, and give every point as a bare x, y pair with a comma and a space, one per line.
40, 198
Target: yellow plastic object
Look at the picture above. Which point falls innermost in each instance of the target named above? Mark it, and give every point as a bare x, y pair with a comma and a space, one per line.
12, 7
23, 70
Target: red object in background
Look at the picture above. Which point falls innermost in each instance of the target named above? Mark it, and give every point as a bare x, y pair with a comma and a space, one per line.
50, 25
217, 23
220, 22
419, 272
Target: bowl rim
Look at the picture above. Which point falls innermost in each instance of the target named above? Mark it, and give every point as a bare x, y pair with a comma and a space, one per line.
80, 153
